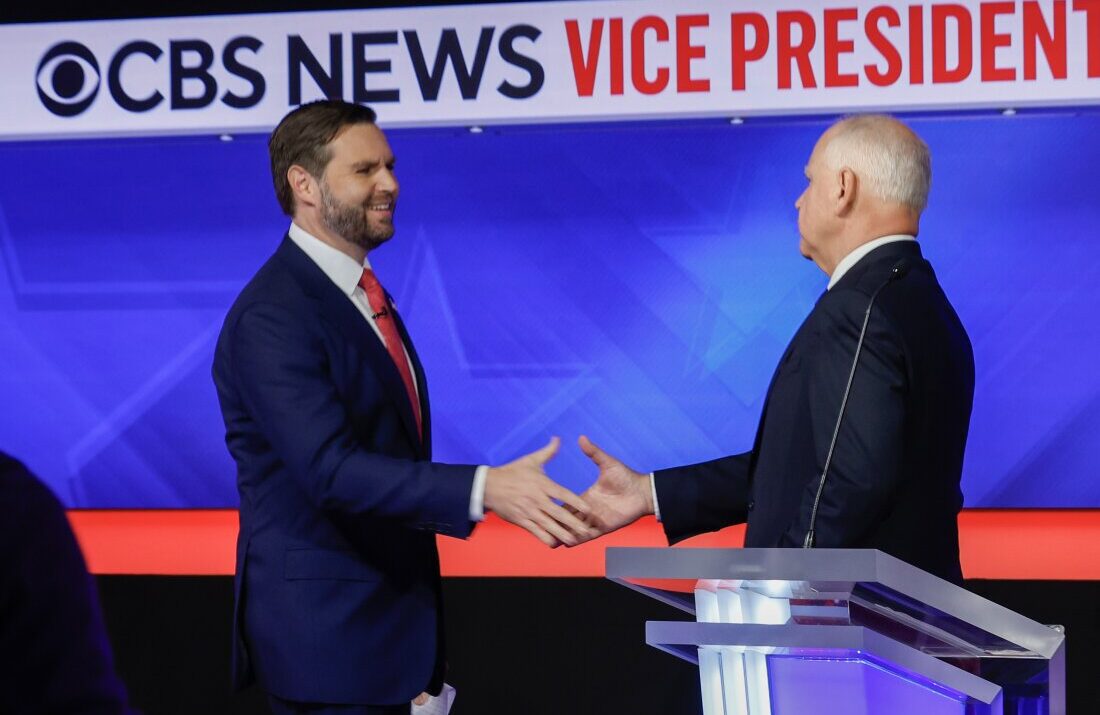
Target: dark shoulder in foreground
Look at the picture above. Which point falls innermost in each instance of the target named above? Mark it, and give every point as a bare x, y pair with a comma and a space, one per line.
23, 493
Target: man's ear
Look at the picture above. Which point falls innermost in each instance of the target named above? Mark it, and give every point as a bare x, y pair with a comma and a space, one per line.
844, 192
304, 186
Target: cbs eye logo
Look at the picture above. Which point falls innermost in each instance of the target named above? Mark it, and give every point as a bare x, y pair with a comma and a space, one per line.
67, 79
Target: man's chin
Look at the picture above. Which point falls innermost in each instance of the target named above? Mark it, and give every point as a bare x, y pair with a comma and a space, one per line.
376, 237
382, 230
381, 237
373, 240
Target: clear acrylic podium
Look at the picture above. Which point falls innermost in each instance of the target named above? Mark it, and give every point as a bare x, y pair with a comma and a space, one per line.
842, 632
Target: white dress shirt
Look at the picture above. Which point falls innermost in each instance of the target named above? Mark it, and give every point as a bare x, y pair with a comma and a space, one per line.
843, 267
345, 272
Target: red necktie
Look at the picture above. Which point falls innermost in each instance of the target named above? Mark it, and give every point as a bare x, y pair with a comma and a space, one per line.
384, 319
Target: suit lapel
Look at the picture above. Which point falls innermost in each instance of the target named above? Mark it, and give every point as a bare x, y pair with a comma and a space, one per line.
335, 306
787, 355
418, 376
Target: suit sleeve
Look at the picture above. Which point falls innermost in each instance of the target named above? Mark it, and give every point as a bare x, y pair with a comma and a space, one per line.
867, 464
703, 497
279, 367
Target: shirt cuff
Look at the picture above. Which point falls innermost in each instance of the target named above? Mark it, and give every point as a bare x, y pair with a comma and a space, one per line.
477, 494
656, 506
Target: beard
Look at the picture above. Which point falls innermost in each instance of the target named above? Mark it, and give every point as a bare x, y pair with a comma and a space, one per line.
352, 223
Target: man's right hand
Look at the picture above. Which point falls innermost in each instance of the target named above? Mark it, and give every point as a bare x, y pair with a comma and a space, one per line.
522, 494
620, 495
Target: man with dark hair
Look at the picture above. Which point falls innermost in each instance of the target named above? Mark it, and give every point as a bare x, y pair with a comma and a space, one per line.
53, 646
327, 416
303, 138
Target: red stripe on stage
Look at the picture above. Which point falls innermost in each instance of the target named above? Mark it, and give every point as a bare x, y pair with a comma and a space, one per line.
177, 542
996, 544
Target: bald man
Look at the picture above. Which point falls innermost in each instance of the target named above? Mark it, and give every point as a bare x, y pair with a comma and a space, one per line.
894, 462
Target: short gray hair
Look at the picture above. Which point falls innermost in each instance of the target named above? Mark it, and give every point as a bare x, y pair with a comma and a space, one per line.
886, 155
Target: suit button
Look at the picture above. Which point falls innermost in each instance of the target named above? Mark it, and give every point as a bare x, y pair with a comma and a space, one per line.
751, 504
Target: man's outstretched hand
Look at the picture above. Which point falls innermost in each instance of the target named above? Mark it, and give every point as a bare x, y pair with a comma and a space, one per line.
620, 495
521, 493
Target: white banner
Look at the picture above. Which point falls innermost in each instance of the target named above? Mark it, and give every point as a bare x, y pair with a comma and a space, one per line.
547, 62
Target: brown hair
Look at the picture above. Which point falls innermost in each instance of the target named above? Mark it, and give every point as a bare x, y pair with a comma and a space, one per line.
302, 138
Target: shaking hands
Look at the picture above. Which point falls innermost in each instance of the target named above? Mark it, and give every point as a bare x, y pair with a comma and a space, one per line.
521, 493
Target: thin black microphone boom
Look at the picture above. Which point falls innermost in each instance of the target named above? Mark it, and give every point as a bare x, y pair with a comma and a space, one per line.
896, 273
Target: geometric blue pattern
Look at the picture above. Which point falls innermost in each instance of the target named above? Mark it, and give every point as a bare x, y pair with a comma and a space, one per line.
636, 282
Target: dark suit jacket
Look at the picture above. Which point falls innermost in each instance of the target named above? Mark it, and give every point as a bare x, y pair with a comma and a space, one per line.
894, 480
54, 654
337, 585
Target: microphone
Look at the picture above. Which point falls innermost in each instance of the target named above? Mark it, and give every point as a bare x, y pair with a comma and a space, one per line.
380, 314
897, 272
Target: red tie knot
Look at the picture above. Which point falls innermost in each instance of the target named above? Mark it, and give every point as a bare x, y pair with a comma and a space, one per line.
368, 281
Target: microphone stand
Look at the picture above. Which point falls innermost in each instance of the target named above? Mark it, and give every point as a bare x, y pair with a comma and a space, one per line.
896, 273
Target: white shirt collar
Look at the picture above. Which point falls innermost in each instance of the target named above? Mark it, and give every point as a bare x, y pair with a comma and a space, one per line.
854, 257
337, 265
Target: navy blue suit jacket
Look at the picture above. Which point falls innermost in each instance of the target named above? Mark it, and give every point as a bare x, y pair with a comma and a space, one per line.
894, 480
337, 584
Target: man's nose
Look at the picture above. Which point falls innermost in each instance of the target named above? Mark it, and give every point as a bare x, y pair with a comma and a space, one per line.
387, 181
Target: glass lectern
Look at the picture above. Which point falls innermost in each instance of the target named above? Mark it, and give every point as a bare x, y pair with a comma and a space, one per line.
842, 632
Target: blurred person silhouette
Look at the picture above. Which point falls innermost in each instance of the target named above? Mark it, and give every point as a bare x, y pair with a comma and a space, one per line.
54, 653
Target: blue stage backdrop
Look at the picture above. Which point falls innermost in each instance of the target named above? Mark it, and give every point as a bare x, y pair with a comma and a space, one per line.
635, 282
